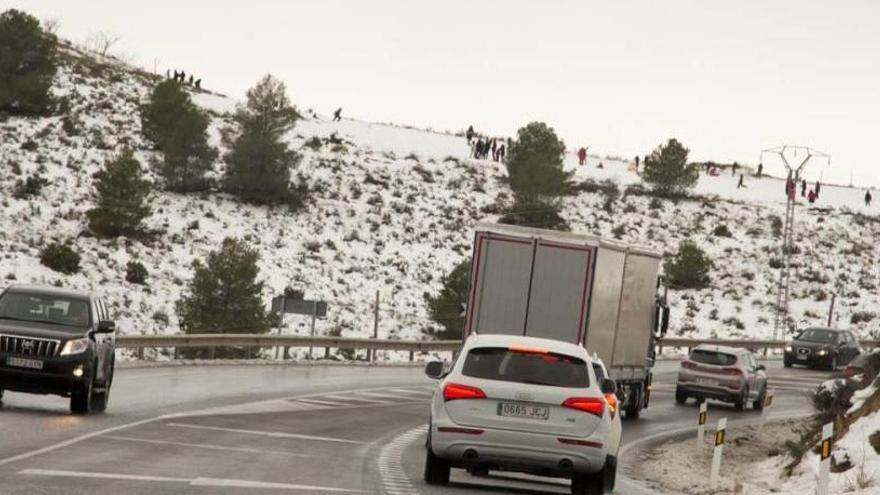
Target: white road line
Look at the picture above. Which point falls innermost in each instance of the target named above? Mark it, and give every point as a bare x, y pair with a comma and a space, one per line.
207, 482
206, 446
273, 434
383, 395
67, 443
394, 478
320, 402
349, 399
103, 476
413, 391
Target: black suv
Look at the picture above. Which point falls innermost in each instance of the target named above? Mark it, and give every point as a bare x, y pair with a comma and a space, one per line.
55, 341
826, 347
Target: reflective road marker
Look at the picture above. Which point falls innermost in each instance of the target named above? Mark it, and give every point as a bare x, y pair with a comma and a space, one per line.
701, 424
825, 459
716, 457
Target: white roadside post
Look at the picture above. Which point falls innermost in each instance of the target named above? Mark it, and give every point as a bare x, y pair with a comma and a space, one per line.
825, 459
768, 401
716, 457
701, 424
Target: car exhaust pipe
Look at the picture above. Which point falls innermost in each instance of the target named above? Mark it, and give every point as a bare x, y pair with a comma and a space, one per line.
470, 454
565, 464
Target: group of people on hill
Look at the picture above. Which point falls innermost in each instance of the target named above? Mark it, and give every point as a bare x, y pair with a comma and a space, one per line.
180, 76
481, 146
791, 190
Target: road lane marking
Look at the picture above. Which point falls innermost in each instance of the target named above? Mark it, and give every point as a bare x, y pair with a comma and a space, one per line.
273, 434
75, 440
222, 483
394, 478
103, 476
348, 400
205, 482
206, 446
319, 402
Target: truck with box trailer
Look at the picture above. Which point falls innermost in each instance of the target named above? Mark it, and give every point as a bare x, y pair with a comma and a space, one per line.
576, 288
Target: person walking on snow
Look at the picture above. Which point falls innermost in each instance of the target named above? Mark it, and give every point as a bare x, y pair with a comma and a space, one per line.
637, 163
582, 156
337, 115
501, 151
812, 196
469, 134
733, 168
760, 169
817, 189
741, 179
868, 198
803, 188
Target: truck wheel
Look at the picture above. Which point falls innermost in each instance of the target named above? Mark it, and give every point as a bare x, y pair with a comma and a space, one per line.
436, 469
680, 397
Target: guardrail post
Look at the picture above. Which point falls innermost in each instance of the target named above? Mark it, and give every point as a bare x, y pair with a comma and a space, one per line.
326, 353
825, 459
715, 475
412, 356
140, 353
213, 352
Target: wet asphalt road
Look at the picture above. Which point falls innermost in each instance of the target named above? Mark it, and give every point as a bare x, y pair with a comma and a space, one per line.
281, 429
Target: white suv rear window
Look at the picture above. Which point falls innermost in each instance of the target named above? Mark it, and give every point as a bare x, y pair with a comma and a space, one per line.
498, 363
713, 357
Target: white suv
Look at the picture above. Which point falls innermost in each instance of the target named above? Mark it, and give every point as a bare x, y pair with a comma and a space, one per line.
527, 405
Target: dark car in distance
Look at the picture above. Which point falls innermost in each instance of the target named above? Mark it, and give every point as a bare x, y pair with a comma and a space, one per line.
822, 347
55, 341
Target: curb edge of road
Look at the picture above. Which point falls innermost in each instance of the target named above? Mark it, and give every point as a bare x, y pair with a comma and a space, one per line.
650, 441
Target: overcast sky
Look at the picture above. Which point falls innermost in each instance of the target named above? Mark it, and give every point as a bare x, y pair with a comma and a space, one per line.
727, 78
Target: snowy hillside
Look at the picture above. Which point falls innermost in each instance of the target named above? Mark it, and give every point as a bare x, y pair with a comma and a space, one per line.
392, 212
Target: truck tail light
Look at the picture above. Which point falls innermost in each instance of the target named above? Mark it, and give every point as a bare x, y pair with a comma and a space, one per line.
592, 405
456, 391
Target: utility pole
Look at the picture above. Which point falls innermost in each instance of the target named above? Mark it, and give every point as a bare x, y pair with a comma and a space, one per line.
375, 326
794, 174
831, 309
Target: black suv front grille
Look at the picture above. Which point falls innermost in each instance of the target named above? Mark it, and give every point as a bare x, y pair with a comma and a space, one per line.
28, 346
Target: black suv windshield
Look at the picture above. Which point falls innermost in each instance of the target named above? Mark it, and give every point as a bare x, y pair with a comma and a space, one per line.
556, 370
821, 336
43, 308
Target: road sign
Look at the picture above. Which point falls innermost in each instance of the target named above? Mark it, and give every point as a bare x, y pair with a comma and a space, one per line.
299, 306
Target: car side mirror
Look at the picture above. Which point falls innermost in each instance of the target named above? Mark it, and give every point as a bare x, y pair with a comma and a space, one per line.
106, 326
608, 386
761, 367
434, 369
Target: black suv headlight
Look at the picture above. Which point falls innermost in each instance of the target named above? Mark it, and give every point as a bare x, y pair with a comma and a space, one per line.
75, 346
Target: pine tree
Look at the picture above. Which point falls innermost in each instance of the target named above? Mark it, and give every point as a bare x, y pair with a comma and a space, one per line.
259, 162
225, 296
534, 164
122, 193
27, 64
447, 307
179, 129
689, 268
667, 170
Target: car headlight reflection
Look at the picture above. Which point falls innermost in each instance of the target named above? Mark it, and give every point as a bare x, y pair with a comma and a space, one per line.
787, 348
75, 346
822, 352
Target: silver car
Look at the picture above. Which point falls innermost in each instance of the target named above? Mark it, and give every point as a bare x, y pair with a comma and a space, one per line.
523, 404
722, 373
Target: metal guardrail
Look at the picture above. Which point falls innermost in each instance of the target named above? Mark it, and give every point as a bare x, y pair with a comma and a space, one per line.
251, 341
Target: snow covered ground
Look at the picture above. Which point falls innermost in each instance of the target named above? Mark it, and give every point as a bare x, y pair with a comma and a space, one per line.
392, 212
